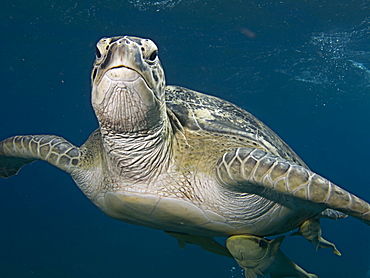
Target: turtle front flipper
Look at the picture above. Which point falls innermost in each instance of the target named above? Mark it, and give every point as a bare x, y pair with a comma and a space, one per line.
17, 151
246, 169
259, 256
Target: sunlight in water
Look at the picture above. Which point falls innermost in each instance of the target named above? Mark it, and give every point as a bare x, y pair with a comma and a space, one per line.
158, 5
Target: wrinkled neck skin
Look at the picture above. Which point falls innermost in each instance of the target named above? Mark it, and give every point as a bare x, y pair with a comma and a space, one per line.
137, 148
137, 156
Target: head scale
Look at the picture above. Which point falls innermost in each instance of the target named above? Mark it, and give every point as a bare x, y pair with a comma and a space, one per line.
128, 84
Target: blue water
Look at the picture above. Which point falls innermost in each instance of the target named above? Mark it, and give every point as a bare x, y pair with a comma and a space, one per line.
303, 67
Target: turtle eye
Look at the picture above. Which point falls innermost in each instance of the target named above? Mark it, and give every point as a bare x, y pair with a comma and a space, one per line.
153, 55
97, 52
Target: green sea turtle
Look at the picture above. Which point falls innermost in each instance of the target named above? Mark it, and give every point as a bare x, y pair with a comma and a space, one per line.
170, 158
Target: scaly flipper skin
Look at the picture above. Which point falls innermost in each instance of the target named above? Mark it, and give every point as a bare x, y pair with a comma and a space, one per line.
258, 256
247, 169
17, 151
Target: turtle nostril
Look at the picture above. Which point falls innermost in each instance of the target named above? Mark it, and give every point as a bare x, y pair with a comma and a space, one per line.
123, 41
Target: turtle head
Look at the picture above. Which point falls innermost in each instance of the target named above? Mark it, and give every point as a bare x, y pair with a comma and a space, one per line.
128, 84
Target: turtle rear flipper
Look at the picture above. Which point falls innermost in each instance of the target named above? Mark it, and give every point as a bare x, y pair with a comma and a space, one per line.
247, 169
311, 230
17, 151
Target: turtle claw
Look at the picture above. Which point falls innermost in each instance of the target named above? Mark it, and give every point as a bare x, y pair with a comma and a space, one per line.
258, 256
311, 231
323, 243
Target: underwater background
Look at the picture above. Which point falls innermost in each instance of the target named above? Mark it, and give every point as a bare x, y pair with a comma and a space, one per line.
302, 67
